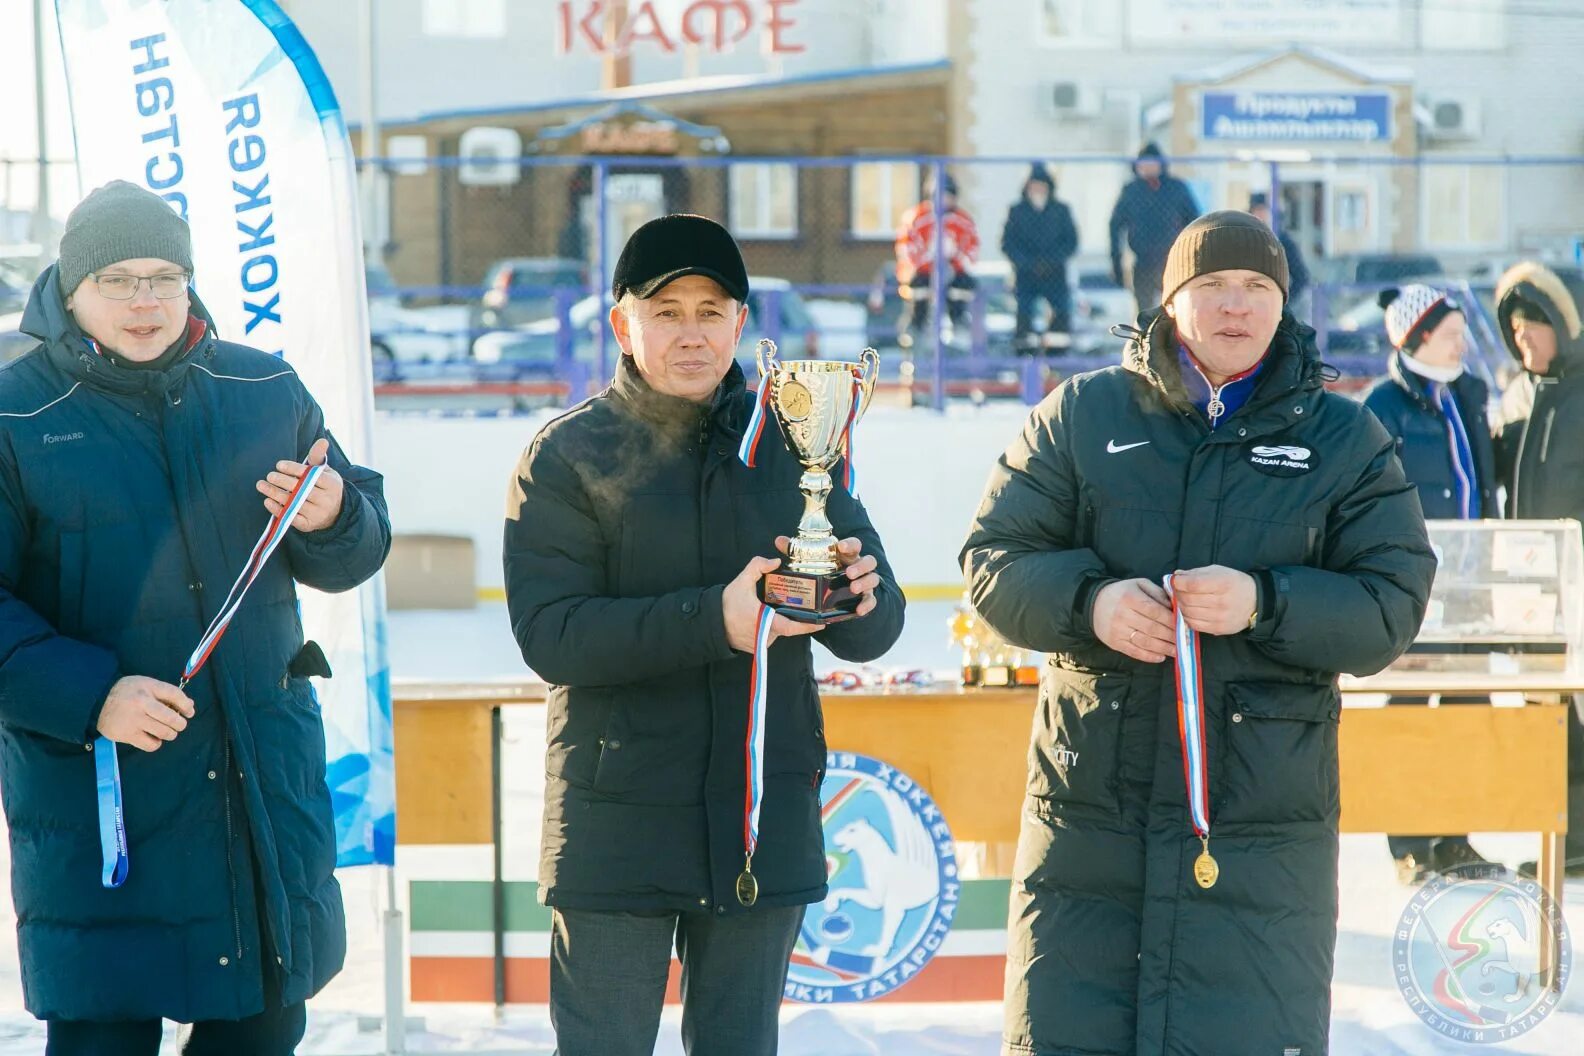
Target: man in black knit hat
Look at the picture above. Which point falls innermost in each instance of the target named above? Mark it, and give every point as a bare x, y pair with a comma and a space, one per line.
1152, 208
140, 458
1176, 881
635, 538
1039, 239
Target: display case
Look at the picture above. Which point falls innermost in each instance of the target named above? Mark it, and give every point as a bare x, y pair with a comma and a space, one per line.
1508, 599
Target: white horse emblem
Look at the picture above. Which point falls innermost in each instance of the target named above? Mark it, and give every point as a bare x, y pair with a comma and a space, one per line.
896, 880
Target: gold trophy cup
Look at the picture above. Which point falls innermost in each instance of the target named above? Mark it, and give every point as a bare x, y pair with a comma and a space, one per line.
815, 401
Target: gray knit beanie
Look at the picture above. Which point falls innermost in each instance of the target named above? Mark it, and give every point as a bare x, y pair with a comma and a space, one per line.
120, 221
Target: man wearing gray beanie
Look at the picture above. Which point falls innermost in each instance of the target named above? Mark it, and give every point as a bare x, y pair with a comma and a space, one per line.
140, 459
1201, 538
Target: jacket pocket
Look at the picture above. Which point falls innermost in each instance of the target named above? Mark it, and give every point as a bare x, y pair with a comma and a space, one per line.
1249, 543
1278, 754
1076, 740
577, 726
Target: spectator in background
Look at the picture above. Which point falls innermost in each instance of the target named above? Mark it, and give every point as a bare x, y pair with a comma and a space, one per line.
1150, 211
1039, 239
1297, 270
1436, 411
915, 256
1540, 445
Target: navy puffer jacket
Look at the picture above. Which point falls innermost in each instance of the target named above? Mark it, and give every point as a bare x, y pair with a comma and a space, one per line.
127, 508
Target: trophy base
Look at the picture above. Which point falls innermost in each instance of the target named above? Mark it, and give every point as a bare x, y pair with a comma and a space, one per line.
809, 598
1003, 676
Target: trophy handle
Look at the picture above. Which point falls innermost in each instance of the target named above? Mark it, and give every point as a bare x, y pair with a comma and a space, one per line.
765, 353
869, 363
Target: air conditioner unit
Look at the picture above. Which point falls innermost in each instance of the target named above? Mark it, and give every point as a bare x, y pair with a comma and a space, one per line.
1454, 117
1070, 99
489, 157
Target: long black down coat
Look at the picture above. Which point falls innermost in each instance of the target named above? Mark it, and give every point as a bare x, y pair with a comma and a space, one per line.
1112, 948
127, 508
626, 518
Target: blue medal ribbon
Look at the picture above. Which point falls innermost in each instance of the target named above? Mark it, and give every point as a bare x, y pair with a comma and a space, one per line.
112, 825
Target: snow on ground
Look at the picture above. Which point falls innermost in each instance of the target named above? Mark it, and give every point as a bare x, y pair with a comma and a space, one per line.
1369, 1016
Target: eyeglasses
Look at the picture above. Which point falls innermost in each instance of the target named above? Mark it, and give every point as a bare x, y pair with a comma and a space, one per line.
125, 287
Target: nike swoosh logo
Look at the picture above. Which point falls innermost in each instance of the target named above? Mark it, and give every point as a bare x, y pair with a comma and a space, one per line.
1114, 448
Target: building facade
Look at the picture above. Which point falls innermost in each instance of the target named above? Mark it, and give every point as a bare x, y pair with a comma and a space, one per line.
1400, 125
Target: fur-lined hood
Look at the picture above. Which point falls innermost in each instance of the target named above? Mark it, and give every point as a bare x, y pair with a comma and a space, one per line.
1558, 297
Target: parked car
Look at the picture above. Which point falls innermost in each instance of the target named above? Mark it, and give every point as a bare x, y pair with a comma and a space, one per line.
1353, 278
532, 348
522, 289
398, 334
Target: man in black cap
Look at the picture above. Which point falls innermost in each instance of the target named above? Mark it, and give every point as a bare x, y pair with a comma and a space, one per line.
635, 539
140, 459
1039, 239
1176, 881
1152, 208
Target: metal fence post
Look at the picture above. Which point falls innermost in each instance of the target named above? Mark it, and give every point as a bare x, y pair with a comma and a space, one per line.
566, 340
1275, 197
938, 285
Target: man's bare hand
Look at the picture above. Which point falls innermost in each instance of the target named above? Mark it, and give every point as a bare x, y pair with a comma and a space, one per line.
1216, 599
1134, 617
144, 712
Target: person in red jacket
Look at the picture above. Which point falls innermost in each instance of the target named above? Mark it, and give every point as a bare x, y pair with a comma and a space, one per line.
916, 253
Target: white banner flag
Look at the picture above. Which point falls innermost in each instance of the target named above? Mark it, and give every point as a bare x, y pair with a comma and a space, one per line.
221, 107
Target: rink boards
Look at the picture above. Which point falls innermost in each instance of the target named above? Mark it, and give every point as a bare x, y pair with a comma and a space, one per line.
452, 946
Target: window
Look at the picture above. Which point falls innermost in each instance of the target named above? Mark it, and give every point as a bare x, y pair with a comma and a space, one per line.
881, 192
464, 18
1464, 27
1463, 206
763, 200
1080, 23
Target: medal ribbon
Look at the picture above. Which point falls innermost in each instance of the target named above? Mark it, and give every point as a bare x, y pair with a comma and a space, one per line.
274, 533
1190, 721
850, 474
112, 826
107, 768
753, 749
749, 447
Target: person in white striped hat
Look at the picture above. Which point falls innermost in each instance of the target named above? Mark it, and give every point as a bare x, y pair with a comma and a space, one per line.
1436, 410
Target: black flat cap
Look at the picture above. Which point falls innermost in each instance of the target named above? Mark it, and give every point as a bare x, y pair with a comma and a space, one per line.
673, 246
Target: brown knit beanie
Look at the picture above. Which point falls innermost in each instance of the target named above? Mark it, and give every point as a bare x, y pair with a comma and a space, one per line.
1225, 241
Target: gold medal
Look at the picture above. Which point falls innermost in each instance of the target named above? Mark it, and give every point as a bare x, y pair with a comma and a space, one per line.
1205, 869
747, 885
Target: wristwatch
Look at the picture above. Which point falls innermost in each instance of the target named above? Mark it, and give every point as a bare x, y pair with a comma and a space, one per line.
1253, 618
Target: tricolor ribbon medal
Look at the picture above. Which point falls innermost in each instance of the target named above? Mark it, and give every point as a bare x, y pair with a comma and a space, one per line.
1191, 727
107, 768
753, 757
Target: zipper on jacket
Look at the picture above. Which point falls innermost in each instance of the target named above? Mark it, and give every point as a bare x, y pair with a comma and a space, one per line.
236, 914
1523, 443
1545, 439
